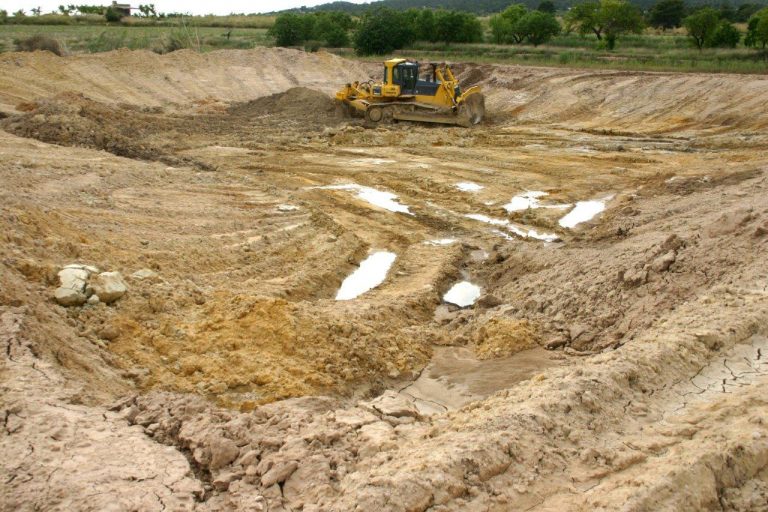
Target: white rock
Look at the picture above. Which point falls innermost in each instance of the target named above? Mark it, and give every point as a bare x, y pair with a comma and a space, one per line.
88, 268
109, 286
93, 300
73, 278
69, 297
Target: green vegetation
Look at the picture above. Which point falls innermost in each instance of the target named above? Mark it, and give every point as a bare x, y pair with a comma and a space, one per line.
667, 14
328, 28
162, 39
682, 38
518, 25
757, 30
606, 19
707, 29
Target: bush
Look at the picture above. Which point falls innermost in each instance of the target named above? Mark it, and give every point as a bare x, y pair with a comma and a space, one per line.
112, 15
291, 29
38, 42
724, 36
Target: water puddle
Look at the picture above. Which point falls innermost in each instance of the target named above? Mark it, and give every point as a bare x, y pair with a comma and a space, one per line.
371, 273
462, 294
520, 231
455, 377
583, 212
468, 186
386, 200
529, 201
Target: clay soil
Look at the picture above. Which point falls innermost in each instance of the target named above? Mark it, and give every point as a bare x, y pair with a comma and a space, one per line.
621, 367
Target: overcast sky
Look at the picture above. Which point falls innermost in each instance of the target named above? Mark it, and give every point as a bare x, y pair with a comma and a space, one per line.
193, 6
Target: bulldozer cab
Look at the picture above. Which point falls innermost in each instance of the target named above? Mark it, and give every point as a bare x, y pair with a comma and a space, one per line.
405, 74
402, 73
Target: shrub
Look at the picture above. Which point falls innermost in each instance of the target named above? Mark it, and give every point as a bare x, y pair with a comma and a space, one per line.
724, 36
38, 42
291, 29
112, 15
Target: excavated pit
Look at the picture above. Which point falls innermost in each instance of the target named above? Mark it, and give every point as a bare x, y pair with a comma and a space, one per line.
621, 365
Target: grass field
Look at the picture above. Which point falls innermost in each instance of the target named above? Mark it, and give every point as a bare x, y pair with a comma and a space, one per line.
670, 51
100, 38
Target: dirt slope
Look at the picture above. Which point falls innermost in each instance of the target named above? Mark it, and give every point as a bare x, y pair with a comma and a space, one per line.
234, 201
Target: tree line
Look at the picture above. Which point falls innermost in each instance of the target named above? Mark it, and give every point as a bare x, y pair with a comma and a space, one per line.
384, 30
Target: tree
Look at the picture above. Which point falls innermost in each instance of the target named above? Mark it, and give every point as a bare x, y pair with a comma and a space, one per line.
113, 15
503, 25
19, 14
538, 27
333, 28
724, 36
745, 12
3, 16
148, 10
727, 12
757, 30
426, 27
701, 25
583, 17
381, 31
608, 19
457, 27
547, 6
66, 11
36, 11
292, 29
667, 14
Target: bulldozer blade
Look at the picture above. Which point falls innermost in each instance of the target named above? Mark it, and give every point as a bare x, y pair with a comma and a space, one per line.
473, 109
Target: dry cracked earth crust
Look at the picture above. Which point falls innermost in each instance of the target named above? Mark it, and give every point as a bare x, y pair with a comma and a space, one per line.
230, 378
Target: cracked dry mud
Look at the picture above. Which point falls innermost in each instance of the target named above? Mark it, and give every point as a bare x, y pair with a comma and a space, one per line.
623, 367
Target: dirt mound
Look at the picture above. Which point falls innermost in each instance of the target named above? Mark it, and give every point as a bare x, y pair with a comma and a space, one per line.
297, 102
74, 120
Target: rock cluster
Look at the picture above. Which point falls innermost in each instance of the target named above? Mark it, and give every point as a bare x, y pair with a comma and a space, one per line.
79, 284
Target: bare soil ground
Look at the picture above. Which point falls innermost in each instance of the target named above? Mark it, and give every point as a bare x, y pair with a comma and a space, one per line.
622, 367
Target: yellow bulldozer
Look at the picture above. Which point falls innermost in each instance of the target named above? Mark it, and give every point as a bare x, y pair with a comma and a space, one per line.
405, 96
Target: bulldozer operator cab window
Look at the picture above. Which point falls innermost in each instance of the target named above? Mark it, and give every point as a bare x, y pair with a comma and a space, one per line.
405, 76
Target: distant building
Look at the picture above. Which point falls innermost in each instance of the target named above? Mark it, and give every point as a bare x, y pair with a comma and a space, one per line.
123, 9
